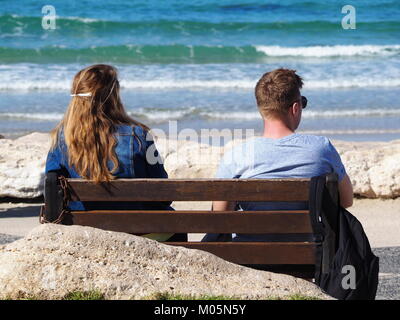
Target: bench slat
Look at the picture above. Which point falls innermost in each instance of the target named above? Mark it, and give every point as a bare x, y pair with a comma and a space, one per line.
271, 253
196, 221
288, 190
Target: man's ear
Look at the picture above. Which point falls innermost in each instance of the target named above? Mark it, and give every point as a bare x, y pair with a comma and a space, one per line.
295, 108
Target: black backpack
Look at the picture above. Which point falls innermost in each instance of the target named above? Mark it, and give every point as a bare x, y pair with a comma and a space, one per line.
353, 269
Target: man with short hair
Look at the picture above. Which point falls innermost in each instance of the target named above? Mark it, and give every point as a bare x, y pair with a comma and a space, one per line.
280, 152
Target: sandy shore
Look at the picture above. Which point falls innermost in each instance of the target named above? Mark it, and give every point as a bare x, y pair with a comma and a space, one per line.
380, 219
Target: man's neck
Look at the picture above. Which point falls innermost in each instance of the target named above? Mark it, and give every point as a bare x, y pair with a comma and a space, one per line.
276, 129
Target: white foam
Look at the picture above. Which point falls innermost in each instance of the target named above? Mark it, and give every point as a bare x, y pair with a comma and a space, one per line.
380, 112
64, 85
58, 77
81, 19
352, 82
163, 115
159, 115
176, 84
307, 114
238, 115
33, 85
329, 51
35, 116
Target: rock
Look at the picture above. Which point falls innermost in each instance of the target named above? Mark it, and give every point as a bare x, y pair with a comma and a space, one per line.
22, 163
189, 160
54, 260
2, 137
374, 167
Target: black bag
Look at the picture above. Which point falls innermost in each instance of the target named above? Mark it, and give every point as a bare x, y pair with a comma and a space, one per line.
353, 249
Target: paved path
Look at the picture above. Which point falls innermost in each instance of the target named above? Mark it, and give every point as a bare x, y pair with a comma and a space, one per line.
389, 273
380, 219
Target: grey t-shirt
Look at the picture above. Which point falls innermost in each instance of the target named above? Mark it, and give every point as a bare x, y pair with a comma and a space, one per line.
293, 156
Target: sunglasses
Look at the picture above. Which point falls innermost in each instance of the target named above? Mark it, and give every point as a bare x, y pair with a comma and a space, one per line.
303, 101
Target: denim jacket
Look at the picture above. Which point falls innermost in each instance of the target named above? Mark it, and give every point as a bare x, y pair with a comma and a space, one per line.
131, 153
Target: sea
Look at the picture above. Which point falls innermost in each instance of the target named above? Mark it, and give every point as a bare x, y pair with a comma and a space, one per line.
196, 63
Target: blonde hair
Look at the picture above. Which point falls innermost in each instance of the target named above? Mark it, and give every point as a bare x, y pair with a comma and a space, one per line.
90, 122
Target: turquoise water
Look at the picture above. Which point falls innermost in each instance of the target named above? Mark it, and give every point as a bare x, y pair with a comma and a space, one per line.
198, 61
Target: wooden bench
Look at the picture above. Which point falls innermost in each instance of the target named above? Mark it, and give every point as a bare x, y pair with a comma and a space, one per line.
305, 259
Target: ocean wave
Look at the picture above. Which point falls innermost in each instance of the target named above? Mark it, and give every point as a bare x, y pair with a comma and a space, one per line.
80, 19
76, 23
133, 54
172, 84
177, 53
330, 51
307, 114
31, 116
378, 112
158, 115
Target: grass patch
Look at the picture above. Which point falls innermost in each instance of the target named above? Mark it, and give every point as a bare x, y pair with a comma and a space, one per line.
84, 295
170, 296
294, 297
97, 295
76, 295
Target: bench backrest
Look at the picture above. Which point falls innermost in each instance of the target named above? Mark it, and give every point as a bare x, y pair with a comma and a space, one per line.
297, 257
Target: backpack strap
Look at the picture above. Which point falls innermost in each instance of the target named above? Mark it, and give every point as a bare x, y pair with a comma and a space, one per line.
315, 207
324, 213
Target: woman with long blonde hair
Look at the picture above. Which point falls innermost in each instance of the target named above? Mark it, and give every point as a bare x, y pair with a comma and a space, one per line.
97, 140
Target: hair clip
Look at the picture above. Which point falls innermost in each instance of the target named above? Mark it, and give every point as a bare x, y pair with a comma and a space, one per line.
88, 94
